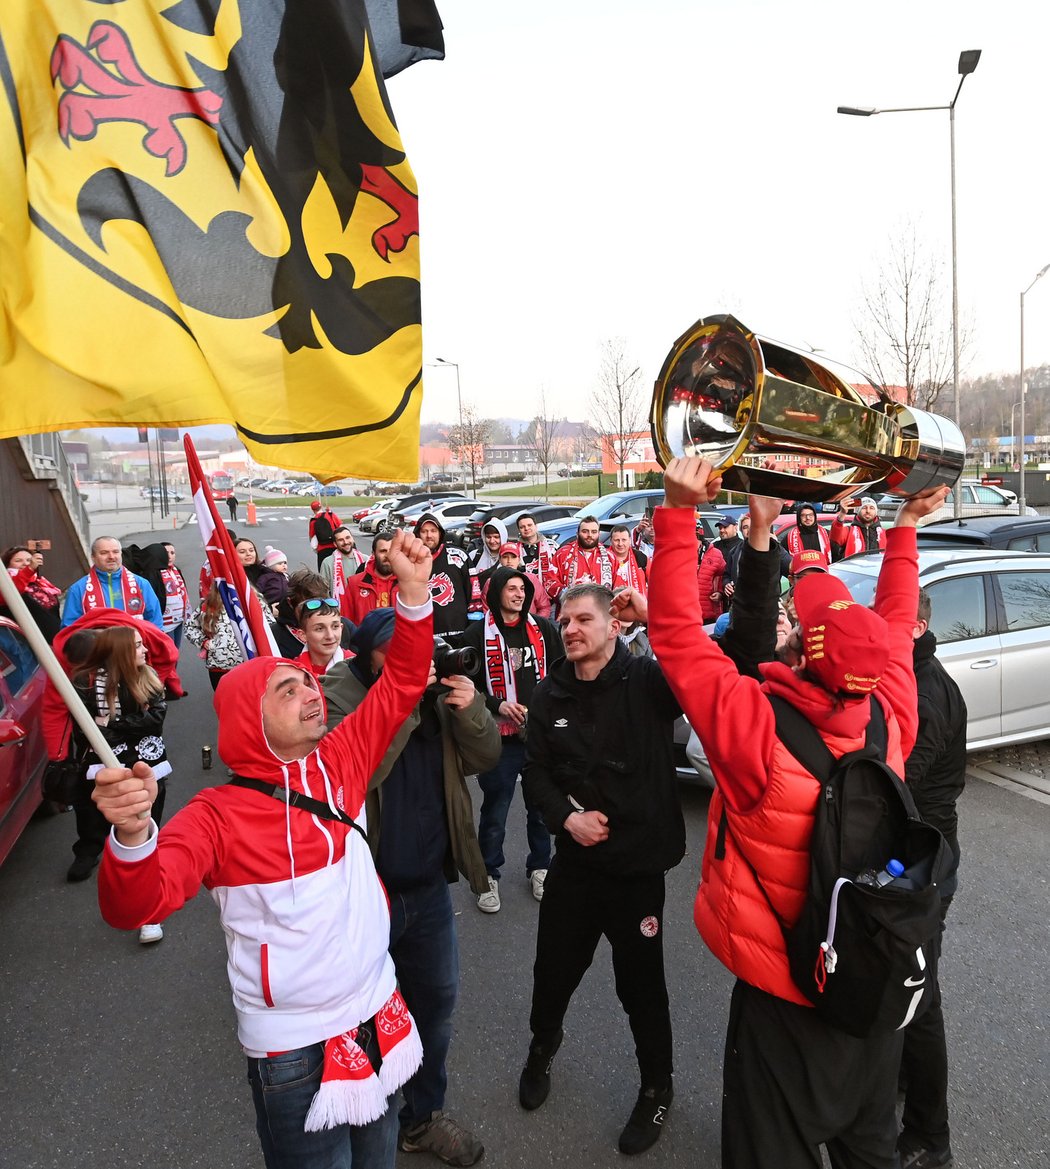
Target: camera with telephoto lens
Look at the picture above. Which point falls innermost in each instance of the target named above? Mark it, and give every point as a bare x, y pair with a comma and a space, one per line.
449, 661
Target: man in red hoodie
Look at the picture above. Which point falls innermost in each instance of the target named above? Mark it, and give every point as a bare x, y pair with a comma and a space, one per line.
283, 852
791, 1082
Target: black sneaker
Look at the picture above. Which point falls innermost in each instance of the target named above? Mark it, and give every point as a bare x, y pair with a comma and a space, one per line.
921, 1157
448, 1141
647, 1119
82, 868
535, 1082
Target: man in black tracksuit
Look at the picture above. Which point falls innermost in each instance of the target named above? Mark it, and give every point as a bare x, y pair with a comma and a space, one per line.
515, 653
599, 764
935, 772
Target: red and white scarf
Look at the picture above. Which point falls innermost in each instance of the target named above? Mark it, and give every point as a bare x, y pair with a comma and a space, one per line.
352, 1091
498, 673
582, 566
95, 598
628, 573
339, 592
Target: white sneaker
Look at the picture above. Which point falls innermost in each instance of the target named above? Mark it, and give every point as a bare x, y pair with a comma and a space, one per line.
489, 902
536, 879
150, 933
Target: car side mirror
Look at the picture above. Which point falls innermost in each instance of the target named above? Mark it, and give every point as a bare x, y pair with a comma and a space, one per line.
11, 732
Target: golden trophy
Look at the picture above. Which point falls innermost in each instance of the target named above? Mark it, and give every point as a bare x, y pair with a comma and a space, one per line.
737, 399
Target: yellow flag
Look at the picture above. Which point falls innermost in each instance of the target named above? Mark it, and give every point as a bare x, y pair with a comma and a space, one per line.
208, 218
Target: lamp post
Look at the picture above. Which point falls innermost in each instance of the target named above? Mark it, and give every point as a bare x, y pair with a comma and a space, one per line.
459, 407
1020, 493
1013, 432
968, 59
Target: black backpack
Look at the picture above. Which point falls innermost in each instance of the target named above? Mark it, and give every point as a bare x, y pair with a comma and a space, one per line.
864, 953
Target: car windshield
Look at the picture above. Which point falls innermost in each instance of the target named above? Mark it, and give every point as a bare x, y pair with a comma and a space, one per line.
860, 584
602, 506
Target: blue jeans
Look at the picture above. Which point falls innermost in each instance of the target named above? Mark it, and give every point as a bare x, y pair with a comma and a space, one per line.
283, 1087
498, 787
426, 955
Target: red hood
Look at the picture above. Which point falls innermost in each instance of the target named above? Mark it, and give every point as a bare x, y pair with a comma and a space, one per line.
829, 713
163, 656
238, 703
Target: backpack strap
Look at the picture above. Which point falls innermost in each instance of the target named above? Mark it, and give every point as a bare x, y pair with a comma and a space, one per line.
803, 740
298, 800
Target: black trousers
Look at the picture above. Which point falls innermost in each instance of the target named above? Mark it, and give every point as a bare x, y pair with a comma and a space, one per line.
93, 827
791, 1083
576, 910
924, 1071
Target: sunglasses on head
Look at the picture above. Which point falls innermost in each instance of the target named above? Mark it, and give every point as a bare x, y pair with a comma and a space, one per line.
314, 603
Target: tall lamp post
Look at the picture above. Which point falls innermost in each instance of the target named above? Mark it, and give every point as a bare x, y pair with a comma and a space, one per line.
1020, 493
459, 407
968, 59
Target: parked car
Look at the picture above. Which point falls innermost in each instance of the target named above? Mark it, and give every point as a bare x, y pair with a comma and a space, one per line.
22, 753
976, 499
445, 509
156, 493
620, 505
1021, 533
376, 517
470, 531
384, 509
991, 616
328, 489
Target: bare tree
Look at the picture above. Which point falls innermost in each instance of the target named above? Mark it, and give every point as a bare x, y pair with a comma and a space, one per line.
904, 335
468, 441
583, 443
618, 405
545, 428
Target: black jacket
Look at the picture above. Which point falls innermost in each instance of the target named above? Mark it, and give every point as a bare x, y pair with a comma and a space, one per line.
609, 745
935, 771
449, 582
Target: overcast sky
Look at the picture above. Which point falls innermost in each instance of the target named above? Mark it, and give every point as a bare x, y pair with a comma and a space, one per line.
590, 170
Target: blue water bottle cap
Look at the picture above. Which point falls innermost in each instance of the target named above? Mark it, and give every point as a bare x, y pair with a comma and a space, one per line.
894, 868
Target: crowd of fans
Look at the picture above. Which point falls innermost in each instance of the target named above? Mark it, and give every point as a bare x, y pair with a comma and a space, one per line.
564, 667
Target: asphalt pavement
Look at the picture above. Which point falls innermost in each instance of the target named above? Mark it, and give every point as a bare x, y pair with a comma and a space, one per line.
125, 1056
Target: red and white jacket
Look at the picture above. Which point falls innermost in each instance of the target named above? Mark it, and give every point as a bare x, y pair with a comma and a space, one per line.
850, 538
768, 799
306, 918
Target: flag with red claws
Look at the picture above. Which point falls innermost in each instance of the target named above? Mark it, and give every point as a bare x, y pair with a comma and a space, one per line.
207, 215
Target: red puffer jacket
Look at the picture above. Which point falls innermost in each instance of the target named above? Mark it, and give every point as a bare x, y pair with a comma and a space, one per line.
768, 800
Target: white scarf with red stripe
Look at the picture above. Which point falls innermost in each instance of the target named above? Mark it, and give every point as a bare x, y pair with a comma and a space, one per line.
339, 579
498, 672
95, 598
629, 573
352, 1091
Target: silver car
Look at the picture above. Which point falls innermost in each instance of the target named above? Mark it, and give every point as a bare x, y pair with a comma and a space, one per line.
991, 617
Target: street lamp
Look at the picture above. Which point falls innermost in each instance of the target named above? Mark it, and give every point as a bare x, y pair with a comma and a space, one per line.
968, 59
1013, 432
1020, 493
459, 406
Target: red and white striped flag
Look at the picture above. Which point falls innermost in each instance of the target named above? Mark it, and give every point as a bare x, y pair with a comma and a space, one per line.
240, 600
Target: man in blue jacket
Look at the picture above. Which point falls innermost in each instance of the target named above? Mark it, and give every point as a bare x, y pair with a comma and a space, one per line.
109, 585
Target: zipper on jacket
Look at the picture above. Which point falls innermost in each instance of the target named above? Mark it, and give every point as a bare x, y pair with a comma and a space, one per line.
264, 972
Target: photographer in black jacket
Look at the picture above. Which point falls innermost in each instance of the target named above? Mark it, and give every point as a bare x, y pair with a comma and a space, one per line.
600, 767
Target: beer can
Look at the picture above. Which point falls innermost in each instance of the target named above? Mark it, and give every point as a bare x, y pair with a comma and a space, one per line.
206, 758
